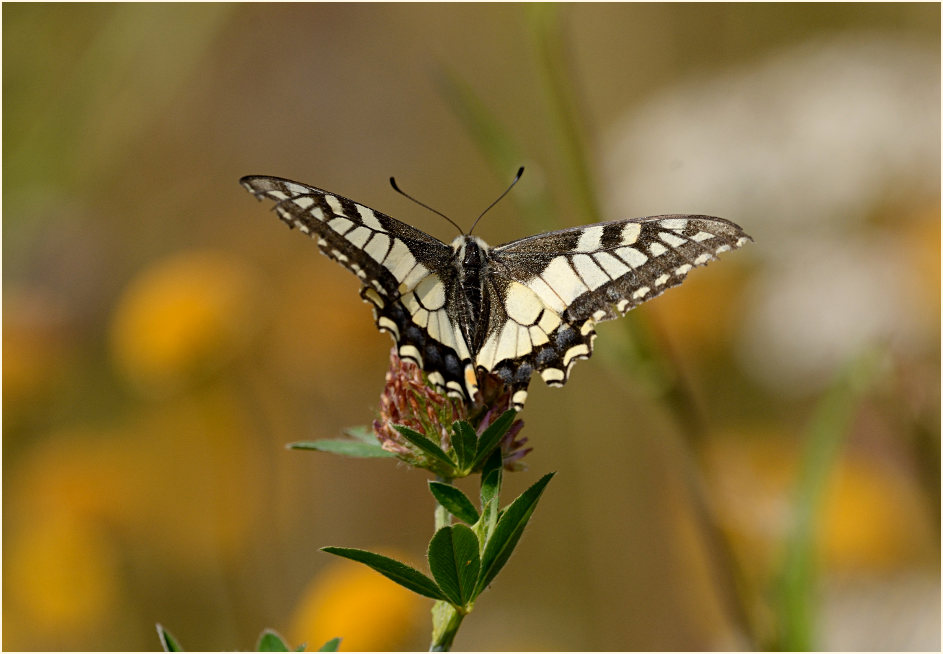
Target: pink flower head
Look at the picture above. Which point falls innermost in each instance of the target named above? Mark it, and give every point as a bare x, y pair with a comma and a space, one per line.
409, 399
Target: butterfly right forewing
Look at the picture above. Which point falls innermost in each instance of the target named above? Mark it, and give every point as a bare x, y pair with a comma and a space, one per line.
556, 286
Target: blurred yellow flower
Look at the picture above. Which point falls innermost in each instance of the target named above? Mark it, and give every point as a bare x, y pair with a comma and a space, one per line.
173, 490
78, 470
368, 611
921, 236
61, 578
185, 315
700, 316
182, 480
870, 519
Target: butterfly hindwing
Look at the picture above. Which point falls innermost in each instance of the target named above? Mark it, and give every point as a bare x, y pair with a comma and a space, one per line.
555, 287
406, 274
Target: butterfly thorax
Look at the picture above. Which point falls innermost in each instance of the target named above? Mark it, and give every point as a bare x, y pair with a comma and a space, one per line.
471, 264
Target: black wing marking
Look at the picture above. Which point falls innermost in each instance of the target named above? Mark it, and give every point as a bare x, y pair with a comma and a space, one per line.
555, 287
407, 275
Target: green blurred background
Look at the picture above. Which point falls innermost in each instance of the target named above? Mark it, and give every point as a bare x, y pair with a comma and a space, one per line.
750, 461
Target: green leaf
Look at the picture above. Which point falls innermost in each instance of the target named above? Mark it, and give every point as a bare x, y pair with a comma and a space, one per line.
347, 448
330, 646
454, 561
485, 525
167, 641
492, 436
464, 441
454, 501
362, 433
270, 641
425, 445
391, 569
491, 477
508, 531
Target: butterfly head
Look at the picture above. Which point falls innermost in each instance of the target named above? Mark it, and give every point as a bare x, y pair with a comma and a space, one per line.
465, 244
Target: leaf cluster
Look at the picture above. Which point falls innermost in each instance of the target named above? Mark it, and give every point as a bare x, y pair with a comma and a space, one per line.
467, 454
463, 558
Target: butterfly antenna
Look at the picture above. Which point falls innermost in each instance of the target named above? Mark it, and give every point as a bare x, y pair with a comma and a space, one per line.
422, 204
506, 191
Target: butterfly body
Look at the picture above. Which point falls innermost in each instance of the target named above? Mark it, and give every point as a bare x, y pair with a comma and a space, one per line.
528, 306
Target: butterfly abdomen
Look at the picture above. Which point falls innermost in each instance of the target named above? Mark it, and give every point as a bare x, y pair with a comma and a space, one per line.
472, 271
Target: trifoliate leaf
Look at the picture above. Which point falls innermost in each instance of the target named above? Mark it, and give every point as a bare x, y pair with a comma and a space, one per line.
454, 561
508, 531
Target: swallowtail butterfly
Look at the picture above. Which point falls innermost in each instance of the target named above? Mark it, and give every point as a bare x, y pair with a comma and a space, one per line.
528, 306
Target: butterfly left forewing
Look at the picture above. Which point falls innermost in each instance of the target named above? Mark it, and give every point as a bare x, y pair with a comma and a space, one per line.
407, 275
555, 287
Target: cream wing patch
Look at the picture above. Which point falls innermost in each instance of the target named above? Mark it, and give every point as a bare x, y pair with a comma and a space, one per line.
547, 294
613, 267
431, 293
378, 247
590, 239
530, 321
591, 274
358, 236
563, 280
399, 261
631, 256
630, 233
522, 304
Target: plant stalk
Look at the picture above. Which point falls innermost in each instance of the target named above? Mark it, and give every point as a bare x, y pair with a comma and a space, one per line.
442, 517
795, 591
446, 621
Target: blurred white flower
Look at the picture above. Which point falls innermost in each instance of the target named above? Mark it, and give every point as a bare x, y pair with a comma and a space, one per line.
805, 317
801, 149
902, 612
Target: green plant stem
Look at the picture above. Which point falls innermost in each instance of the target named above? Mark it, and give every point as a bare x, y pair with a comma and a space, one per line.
442, 517
446, 619
547, 31
646, 344
796, 587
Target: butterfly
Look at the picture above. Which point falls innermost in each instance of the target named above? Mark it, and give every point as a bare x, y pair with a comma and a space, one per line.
529, 306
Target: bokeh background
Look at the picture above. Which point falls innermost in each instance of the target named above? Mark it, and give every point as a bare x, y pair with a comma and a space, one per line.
751, 461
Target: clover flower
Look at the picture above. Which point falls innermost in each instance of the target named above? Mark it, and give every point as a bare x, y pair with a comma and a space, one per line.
495, 399
409, 400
